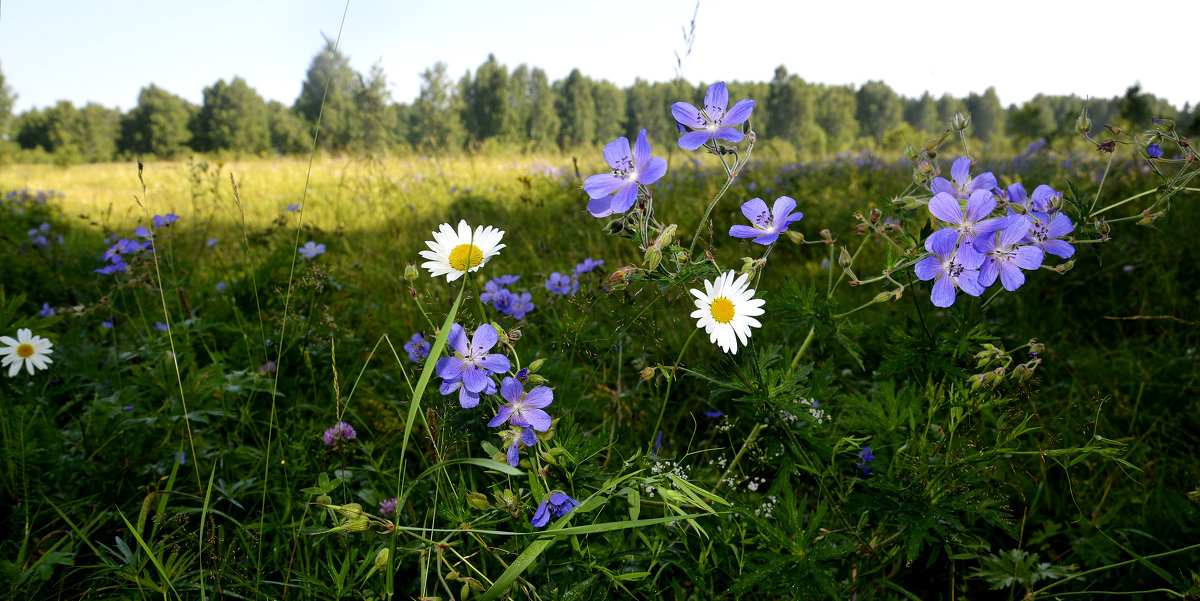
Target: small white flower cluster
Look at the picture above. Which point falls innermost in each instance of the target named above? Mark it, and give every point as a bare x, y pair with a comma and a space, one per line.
767, 507
664, 467
810, 405
755, 482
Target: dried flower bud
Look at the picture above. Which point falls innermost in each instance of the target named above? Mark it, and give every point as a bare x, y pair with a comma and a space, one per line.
665, 238
514, 334
827, 236
1065, 267
506, 499
1022, 373
977, 380
647, 374
925, 167
1103, 227
1114, 130
1036, 347
874, 216
1107, 146
411, 273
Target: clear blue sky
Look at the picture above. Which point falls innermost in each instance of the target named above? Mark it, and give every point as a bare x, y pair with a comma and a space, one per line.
106, 51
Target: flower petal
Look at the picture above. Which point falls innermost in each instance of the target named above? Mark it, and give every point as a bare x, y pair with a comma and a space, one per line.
603, 184
742, 231
617, 155
625, 198
946, 208
739, 113
716, 100
501, 416
654, 169
641, 150
511, 389
538, 397
695, 139
688, 115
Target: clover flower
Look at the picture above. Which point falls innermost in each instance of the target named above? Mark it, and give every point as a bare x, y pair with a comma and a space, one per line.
453, 253
714, 122
311, 249
27, 351
523, 408
340, 433
964, 185
726, 310
561, 284
472, 363
418, 348
768, 223
954, 265
557, 504
388, 506
1004, 257
629, 170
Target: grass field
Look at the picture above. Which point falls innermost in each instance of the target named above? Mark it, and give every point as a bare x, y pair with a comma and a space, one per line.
174, 448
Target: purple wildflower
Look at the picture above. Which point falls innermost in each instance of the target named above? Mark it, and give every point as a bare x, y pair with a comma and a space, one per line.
629, 170
220, 286
165, 220
47, 310
1154, 150
472, 362
292, 208
557, 504
588, 265
418, 348
466, 398
268, 367
713, 414
954, 266
561, 283
768, 223
714, 121
1044, 199
388, 506
1004, 258
526, 438
161, 327
964, 186
966, 225
490, 290
142, 232
520, 305
311, 249
1047, 230
341, 432
523, 409
865, 457
506, 280
502, 301
212, 242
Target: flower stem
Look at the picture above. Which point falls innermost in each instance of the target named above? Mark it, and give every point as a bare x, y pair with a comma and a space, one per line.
707, 212
667, 394
803, 347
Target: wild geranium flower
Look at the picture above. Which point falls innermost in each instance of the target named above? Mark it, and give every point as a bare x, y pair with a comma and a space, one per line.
588, 265
418, 348
768, 223
311, 249
340, 433
1046, 231
561, 284
714, 122
954, 265
520, 305
292, 208
1005, 257
526, 438
964, 185
212, 242
966, 225
726, 310
472, 363
502, 300
524, 408
629, 170
453, 253
466, 398
47, 310
490, 290
165, 220
1154, 150
557, 504
26, 350
865, 457
1044, 199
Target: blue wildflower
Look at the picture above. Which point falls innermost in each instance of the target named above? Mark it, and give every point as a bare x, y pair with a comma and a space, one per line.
865, 457
161, 327
1154, 150
768, 223
588, 265
556, 504
629, 171
1005, 257
47, 310
311, 249
714, 122
964, 225
964, 185
520, 305
418, 348
292, 208
165, 220
472, 363
212, 242
954, 265
523, 408
561, 283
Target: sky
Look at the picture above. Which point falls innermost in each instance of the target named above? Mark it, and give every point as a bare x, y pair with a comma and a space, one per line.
106, 51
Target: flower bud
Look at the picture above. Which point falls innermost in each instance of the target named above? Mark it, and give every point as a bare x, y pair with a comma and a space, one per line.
977, 380
960, 121
1083, 124
796, 237
536, 380
514, 334
1163, 125
381, 558
1036, 347
874, 216
358, 524
506, 499
1017, 208
410, 272
1114, 130
350, 510
665, 238
1022, 373
477, 500
827, 236
882, 297
536, 365
911, 152
925, 167
844, 259
1102, 227
647, 374
1149, 218
1065, 267
653, 258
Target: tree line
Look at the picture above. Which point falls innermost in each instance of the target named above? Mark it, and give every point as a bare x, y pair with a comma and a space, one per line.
495, 108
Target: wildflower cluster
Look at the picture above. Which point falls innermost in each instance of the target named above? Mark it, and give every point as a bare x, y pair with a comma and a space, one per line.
120, 252
500, 296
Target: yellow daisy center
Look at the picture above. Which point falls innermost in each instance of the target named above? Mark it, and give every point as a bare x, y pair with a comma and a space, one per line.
25, 351
722, 310
465, 256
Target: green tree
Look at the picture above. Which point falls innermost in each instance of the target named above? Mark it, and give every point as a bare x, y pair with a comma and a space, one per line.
1035, 119
878, 109
7, 99
792, 105
376, 117
437, 113
97, 129
836, 110
921, 113
233, 117
947, 105
576, 110
647, 106
488, 113
328, 93
987, 115
542, 124
158, 125
289, 133
610, 112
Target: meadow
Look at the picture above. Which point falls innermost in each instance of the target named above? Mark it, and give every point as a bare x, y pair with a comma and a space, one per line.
187, 441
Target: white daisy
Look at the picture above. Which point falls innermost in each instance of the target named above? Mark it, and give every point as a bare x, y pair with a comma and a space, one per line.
454, 253
28, 350
726, 310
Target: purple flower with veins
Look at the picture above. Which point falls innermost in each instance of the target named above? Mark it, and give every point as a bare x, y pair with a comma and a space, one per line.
490, 290
588, 265
472, 362
526, 438
520, 305
561, 283
502, 301
557, 504
954, 265
714, 121
417, 347
964, 186
1044, 199
964, 225
1046, 231
466, 398
768, 223
629, 170
1004, 257
524, 408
